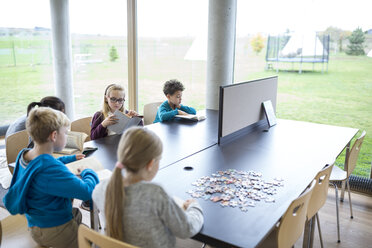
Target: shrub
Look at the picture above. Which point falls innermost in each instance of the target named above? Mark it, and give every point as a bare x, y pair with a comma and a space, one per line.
257, 43
113, 54
356, 40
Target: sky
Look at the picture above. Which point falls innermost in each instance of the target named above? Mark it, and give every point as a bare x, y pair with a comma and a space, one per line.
177, 18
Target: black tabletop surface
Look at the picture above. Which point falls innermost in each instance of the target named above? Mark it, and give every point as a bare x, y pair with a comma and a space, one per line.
181, 138
292, 150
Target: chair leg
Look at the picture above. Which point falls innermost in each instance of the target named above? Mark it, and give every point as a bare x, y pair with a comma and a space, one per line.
342, 191
311, 239
348, 189
307, 234
337, 214
320, 231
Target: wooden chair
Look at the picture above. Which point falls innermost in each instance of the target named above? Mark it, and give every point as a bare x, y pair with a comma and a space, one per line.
87, 237
317, 200
291, 225
82, 125
149, 112
14, 233
13, 145
339, 175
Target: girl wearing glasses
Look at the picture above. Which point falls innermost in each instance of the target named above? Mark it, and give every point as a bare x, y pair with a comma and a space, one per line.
113, 100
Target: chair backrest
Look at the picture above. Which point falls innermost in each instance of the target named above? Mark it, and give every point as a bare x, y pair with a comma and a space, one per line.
149, 112
14, 144
353, 154
87, 237
82, 125
14, 233
293, 221
320, 191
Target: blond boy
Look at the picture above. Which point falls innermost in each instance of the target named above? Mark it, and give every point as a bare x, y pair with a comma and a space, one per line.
42, 187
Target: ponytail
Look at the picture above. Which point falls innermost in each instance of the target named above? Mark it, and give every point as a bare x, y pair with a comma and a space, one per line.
114, 205
32, 105
48, 101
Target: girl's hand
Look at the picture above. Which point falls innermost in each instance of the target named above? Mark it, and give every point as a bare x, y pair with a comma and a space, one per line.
187, 203
180, 112
110, 120
132, 113
79, 156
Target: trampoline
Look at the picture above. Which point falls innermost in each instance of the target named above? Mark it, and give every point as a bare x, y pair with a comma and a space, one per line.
297, 48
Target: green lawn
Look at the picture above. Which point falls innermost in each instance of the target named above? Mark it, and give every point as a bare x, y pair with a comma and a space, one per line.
342, 96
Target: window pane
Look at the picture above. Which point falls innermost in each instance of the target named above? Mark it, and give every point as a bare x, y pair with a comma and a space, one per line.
25, 57
172, 45
99, 51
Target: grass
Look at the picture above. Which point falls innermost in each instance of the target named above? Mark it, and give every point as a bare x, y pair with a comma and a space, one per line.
341, 96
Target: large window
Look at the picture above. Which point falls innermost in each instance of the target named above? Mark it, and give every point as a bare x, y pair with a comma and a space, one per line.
99, 51
339, 96
25, 57
172, 45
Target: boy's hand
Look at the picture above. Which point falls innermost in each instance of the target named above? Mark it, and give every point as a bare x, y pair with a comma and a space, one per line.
110, 120
180, 112
81, 169
79, 156
187, 203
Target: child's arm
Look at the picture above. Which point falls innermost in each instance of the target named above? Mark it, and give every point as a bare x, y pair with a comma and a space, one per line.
189, 110
67, 159
166, 113
182, 223
97, 130
61, 182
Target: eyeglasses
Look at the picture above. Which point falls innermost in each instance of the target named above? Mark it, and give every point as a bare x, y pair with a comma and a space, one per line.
118, 100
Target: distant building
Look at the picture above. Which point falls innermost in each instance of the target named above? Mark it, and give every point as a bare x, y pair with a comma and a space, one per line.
41, 29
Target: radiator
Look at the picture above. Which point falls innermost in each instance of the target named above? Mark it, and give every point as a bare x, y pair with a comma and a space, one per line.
359, 184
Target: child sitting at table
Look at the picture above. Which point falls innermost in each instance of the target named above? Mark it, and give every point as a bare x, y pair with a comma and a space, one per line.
42, 186
137, 211
113, 100
172, 106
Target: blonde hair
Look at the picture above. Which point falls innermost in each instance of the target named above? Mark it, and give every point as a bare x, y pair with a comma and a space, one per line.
137, 147
109, 89
42, 121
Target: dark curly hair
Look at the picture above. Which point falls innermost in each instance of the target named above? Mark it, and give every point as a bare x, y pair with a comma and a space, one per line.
172, 86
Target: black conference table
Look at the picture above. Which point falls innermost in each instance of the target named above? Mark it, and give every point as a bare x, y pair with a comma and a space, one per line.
181, 138
292, 150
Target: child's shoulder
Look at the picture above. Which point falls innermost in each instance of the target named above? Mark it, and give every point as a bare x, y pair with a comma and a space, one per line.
42, 163
44, 158
149, 187
97, 114
165, 105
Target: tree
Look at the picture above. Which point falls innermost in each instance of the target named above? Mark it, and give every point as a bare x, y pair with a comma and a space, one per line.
257, 43
337, 35
356, 43
113, 54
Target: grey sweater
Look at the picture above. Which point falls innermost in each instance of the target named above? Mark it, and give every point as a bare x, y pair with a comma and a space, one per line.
151, 217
